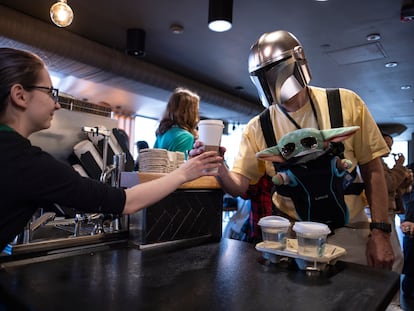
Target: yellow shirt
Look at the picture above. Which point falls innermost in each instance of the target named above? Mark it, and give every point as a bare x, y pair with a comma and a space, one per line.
364, 146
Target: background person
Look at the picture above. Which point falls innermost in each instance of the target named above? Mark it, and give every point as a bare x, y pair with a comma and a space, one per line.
33, 177
178, 127
398, 179
407, 227
278, 67
407, 283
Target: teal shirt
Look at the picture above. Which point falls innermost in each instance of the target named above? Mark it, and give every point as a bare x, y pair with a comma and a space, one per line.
175, 139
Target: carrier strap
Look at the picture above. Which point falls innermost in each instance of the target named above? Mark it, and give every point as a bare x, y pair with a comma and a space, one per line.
267, 128
335, 115
335, 108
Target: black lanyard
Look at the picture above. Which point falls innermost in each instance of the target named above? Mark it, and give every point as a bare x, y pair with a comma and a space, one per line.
293, 120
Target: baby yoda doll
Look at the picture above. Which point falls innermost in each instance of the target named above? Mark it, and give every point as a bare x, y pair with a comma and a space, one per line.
310, 172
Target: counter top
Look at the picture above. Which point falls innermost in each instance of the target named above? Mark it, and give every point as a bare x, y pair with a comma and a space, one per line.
204, 182
229, 275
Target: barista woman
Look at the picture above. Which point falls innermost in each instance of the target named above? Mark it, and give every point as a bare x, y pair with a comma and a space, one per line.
32, 177
177, 128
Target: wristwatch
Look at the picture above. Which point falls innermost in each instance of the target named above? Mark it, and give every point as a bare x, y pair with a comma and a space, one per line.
383, 226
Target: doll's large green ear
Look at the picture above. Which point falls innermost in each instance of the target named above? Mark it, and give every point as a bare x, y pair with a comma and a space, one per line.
339, 134
270, 154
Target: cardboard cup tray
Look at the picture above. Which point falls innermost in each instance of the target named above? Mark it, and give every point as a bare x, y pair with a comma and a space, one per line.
332, 252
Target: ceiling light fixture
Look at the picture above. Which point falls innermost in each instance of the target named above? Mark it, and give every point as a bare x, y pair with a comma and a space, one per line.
391, 64
61, 14
177, 29
136, 42
406, 87
220, 15
373, 37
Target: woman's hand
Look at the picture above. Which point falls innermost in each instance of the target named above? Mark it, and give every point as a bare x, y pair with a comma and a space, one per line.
399, 159
198, 148
204, 164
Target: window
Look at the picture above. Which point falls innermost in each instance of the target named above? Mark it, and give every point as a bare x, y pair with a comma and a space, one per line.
144, 130
232, 142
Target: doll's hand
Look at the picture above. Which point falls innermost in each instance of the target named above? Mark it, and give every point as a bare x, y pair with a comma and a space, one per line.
281, 179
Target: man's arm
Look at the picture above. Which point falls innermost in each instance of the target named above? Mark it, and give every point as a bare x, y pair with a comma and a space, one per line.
232, 183
379, 250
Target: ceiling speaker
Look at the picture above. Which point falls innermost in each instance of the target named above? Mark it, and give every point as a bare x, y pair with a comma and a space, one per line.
136, 42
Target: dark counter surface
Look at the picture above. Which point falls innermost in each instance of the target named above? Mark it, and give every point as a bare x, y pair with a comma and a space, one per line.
230, 275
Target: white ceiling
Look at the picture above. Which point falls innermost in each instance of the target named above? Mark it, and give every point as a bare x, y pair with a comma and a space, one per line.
333, 34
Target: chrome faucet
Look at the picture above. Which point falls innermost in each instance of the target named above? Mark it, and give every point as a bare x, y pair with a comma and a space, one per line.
97, 219
32, 226
105, 175
118, 167
114, 170
79, 219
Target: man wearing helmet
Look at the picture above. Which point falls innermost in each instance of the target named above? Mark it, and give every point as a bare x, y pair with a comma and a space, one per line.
279, 70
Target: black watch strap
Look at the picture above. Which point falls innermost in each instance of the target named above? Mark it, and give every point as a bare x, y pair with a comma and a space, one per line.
383, 226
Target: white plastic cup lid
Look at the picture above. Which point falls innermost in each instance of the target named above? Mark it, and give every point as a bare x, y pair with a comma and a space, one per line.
311, 228
274, 222
211, 122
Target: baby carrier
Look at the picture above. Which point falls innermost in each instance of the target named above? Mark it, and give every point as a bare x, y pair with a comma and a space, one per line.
316, 189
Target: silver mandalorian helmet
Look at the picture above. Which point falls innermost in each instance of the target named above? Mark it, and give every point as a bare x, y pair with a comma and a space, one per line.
278, 67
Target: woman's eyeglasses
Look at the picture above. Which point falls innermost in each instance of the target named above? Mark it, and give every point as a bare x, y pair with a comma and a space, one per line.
307, 143
51, 91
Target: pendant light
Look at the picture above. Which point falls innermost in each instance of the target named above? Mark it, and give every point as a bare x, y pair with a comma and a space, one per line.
61, 14
220, 14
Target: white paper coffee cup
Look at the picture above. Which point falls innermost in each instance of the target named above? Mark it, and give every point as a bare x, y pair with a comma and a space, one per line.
210, 132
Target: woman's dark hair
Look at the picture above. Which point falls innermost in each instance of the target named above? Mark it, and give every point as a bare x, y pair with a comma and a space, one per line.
181, 110
17, 67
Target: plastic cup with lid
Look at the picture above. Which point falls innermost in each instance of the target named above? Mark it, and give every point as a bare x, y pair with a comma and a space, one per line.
274, 231
311, 238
